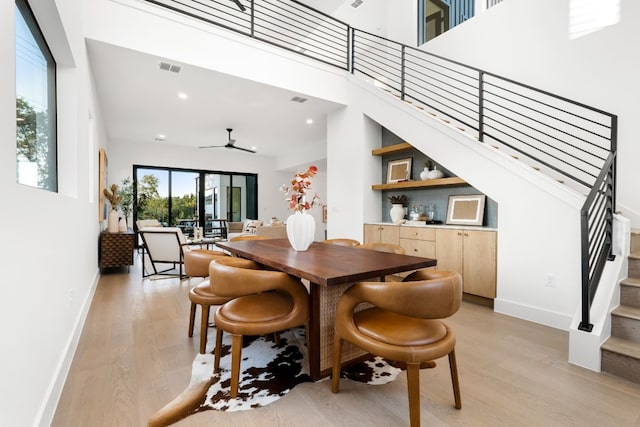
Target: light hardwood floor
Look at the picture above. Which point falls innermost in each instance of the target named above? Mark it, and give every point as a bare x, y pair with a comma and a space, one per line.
134, 356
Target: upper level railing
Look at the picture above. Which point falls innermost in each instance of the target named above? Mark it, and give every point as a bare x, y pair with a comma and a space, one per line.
568, 140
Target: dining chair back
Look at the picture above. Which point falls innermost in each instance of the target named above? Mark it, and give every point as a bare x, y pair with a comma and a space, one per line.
404, 325
342, 242
263, 302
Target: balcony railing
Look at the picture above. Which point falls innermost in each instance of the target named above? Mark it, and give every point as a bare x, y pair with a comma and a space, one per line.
569, 140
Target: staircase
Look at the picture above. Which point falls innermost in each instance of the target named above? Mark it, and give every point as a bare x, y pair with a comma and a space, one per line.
621, 352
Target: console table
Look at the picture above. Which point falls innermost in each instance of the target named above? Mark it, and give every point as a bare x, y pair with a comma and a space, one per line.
116, 249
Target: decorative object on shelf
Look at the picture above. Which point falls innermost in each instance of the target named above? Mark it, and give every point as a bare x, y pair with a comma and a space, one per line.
435, 173
466, 210
122, 225
115, 199
398, 210
301, 226
424, 175
399, 170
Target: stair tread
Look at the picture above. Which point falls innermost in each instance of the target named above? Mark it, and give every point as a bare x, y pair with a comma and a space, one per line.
626, 311
634, 256
622, 346
631, 281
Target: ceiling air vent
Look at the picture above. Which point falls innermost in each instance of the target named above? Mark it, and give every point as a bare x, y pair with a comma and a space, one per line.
356, 3
170, 67
299, 99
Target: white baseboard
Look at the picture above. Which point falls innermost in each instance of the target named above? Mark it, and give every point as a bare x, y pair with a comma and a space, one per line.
50, 403
533, 314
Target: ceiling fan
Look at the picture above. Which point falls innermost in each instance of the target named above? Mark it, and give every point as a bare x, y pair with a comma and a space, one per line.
230, 144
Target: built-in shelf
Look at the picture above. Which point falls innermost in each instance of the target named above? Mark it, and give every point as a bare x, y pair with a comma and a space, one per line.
441, 182
403, 146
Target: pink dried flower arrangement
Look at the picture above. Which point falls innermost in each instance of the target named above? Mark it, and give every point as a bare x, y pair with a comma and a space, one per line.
300, 186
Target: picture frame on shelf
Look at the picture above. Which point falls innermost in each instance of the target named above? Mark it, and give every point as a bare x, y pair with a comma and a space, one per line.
399, 170
466, 209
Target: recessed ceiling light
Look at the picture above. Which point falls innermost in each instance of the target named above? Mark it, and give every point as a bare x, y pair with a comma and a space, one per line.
161, 137
309, 121
182, 95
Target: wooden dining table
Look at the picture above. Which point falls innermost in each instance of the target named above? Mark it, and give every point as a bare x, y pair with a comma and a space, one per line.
330, 270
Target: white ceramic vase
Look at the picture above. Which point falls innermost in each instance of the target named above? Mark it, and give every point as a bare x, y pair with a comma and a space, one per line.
424, 175
301, 229
112, 221
122, 225
435, 174
397, 213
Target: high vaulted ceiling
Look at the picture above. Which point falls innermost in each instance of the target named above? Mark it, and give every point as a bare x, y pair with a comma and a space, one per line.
139, 101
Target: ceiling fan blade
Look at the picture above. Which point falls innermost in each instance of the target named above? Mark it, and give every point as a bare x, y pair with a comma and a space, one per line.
240, 6
244, 149
211, 146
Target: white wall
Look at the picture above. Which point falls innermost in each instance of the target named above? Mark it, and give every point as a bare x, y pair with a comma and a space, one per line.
529, 41
49, 261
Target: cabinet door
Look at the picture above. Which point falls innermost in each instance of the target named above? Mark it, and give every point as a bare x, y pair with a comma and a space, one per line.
390, 234
449, 249
375, 233
480, 263
371, 233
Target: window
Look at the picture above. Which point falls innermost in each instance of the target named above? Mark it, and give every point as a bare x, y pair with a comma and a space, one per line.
36, 154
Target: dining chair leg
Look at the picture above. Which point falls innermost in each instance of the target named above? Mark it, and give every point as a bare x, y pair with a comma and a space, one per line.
204, 328
216, 358
236, 355
192, 318
337, 363
453, 367
413, 385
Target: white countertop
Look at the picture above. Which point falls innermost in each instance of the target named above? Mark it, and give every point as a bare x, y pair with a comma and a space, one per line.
422, 224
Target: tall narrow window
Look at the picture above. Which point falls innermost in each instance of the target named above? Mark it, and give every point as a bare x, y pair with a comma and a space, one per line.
36, 154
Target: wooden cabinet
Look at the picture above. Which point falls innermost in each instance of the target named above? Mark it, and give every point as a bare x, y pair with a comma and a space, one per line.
472, 253
376, 233
116, 249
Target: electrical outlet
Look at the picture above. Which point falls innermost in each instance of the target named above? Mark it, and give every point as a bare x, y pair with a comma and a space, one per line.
550, 281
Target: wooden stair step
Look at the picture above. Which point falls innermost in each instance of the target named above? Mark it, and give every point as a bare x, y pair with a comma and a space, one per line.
622, 346
630, 292
626, 311
634, 266
621, 358
631, 281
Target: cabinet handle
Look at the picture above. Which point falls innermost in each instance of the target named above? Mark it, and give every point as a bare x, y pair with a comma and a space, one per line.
466, 234
415, 250
459, 233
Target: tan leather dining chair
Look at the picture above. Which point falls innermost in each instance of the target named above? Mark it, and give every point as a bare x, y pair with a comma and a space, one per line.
342, 242
264, 302
403, 325
196, 264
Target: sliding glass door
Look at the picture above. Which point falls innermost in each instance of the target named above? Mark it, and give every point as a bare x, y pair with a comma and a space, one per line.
189, 198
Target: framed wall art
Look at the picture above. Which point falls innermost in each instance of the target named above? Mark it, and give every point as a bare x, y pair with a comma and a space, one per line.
466, 210
399, 170
102, 184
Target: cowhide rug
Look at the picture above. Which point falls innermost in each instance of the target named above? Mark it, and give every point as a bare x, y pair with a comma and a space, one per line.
268, 373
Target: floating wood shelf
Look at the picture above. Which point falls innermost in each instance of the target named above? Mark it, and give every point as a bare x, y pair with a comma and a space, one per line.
441, 182
403, 146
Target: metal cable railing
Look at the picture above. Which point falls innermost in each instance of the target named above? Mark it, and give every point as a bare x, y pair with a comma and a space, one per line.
286, 24
564, 138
